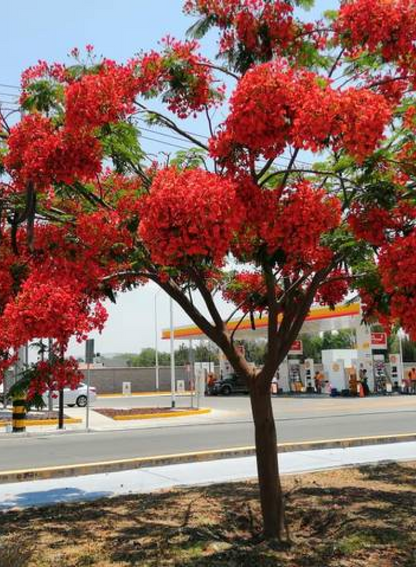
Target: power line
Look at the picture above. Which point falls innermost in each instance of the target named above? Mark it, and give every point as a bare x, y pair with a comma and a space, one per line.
14, 95
158, 133
4, 86
166, 143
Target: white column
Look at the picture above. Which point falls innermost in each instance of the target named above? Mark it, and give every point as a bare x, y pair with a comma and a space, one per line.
172, 357
364, 353
156, 346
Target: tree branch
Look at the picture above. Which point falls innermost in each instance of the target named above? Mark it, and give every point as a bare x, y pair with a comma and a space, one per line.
168, 123
209, 302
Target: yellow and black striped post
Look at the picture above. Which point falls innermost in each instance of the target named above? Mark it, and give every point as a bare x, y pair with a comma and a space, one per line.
19, 413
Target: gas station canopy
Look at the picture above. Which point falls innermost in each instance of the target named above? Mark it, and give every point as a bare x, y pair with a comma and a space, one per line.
319, 319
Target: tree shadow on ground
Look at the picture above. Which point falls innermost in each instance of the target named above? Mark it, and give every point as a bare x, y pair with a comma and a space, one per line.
348, 518
371, 523
390, 473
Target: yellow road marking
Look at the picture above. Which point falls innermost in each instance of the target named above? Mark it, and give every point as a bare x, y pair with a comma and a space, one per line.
31, 422
196, 455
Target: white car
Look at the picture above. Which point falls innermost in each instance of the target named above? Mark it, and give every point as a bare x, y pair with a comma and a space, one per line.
74, 397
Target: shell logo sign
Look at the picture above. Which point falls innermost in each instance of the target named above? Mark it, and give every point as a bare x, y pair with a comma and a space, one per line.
296, 348
379, 341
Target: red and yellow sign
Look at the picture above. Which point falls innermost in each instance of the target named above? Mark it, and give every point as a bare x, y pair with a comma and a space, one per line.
296, 348
315, 314
379, 341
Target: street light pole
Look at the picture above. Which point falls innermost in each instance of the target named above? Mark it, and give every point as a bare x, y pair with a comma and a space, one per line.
172, 357
400, 336
156, 346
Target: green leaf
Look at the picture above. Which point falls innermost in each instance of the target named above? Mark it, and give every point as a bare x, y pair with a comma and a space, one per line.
305, 4
189, 159
121, 143
201, 27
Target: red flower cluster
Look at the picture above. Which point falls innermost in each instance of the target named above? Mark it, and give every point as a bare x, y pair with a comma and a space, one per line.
42, 154
275, 105
54, 376
377, 225
305, 215
49, 305
100, 98
334, 289
188, 217
397, 267
364, 116
247, 290
181, 75
292, 223
54, 73
384, 26
262, 27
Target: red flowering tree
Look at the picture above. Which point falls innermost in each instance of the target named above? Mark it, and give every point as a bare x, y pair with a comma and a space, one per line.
85, 213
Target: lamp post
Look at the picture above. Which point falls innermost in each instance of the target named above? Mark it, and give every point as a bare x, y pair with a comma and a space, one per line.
156, 345
172, 357
400, 336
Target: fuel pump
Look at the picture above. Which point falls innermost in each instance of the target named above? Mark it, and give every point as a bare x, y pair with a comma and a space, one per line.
309, 375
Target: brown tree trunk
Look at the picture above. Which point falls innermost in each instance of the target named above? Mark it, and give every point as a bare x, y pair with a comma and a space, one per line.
271, 496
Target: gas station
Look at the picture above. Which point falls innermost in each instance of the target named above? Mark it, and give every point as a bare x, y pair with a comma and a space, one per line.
342, 369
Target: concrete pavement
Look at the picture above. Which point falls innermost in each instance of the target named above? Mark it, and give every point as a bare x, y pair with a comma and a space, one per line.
237, 409
180, 436
229, 425
82, 488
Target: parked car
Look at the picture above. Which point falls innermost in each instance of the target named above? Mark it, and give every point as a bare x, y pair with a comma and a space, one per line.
230, 384
77, 397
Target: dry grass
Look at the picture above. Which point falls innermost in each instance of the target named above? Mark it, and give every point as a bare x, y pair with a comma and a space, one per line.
350, 518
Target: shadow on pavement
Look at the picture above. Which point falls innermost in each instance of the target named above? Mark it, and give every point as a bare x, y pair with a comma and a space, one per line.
48, 497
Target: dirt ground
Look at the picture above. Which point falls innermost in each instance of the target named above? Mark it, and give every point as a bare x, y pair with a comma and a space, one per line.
350, 518
113, 412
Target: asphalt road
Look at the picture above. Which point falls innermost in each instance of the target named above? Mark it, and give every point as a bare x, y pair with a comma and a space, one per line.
298, 420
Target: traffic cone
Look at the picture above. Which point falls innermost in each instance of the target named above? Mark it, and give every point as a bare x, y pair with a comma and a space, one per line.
19, 413
361, 390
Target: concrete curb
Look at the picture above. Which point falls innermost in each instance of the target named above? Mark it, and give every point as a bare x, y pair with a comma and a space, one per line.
144, 394
62, 471
34, 422
178, 413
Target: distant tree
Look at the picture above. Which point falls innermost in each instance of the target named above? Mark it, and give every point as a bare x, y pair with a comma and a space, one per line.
203, 353
182, 355
312, 347
409, 347
255, 351
147, 358
345, 338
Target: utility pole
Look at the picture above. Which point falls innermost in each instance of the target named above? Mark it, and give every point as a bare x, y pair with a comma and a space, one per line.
156, 347
172, 357
89, 359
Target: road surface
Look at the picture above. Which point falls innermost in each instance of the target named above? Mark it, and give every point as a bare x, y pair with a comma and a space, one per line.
298, 420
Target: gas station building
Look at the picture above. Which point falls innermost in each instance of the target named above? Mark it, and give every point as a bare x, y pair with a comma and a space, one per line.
339, 367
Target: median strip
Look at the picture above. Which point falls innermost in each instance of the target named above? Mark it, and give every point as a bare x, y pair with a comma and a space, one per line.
149, 413
61, 471
34, 422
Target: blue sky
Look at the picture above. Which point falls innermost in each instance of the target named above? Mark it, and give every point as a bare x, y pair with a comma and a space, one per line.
48, 30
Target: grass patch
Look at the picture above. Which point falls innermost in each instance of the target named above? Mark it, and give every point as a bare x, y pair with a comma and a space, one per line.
349, 518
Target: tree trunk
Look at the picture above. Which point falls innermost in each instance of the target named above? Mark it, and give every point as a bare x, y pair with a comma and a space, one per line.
271, 496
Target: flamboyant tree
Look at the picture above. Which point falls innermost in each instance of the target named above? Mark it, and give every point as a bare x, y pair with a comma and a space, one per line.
86, 212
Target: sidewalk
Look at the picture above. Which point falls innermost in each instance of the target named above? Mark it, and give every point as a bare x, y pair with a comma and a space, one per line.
99, 422
82, 488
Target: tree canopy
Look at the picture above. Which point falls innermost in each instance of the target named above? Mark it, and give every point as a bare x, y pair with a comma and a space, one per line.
302, 190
